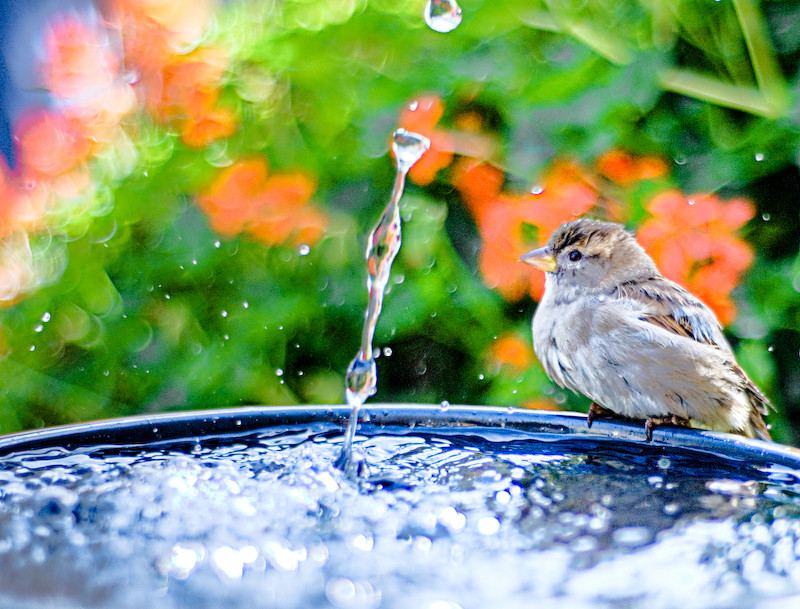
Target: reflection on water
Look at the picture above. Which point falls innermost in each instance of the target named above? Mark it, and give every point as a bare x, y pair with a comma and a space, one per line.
449, 520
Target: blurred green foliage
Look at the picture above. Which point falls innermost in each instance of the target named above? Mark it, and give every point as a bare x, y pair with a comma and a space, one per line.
144, 308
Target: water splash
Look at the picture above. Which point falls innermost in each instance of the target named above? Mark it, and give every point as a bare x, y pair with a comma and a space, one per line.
383, 244
442, 15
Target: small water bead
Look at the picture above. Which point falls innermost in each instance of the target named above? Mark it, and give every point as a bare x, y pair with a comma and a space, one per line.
444, 406
46, 317
217, 243
442, 16
304, 250
38, 328
408, 148
766, 217
759, 156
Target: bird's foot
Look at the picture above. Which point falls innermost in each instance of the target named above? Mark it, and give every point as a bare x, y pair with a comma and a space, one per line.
595, 410
672, 419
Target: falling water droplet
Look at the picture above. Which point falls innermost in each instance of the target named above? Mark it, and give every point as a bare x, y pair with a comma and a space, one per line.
442, 15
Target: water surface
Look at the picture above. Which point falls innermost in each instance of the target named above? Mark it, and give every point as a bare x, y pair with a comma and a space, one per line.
443, 520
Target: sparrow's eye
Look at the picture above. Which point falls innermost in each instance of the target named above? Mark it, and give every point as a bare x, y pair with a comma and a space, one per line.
575, 255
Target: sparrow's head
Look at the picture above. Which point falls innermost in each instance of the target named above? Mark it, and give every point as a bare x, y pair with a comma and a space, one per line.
592, 254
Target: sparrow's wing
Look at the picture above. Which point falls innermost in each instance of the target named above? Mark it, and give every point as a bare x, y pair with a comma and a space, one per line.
669, 306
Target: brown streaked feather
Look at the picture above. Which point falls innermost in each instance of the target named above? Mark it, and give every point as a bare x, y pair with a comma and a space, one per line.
677, 311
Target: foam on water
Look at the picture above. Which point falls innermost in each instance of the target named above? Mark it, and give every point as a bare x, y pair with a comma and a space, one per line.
451, 520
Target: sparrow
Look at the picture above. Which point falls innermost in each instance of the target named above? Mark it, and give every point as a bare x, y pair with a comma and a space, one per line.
612, 328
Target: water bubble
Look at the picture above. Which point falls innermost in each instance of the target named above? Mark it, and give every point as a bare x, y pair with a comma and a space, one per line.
387, 351
444, 406
632, 537
536, 189
488, 525
442, 16
304, 250
279, 372
766, 217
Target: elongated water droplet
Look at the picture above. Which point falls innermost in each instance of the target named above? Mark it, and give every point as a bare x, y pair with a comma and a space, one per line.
442, 15
361, 381
383, 244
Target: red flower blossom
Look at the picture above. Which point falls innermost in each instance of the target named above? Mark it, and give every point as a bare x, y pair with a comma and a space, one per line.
273, 210
693, 242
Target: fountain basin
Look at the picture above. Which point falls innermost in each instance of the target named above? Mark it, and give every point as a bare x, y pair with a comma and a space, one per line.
461, 507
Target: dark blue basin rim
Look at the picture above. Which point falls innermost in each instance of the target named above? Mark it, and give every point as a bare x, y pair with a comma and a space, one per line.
549, 425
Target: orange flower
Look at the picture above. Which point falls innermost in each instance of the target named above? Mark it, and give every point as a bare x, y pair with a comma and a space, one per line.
511, 225
79, 60
512, 351
49, 144
478, 183
421, 116
82, 70
273, 210
693, 242
624, 169
180, 88
21, 205
229, 201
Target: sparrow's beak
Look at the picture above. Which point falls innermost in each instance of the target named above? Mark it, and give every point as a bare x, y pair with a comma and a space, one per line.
541, 259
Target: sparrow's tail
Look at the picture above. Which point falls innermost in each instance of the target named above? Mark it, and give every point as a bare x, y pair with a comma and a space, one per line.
758, 427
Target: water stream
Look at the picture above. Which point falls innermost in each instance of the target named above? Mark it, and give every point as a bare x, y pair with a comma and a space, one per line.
382, 246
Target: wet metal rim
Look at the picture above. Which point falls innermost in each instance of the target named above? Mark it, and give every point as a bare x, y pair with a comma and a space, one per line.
478, 420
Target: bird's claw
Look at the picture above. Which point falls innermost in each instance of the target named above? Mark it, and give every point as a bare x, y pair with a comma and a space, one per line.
595, 410
672, 419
